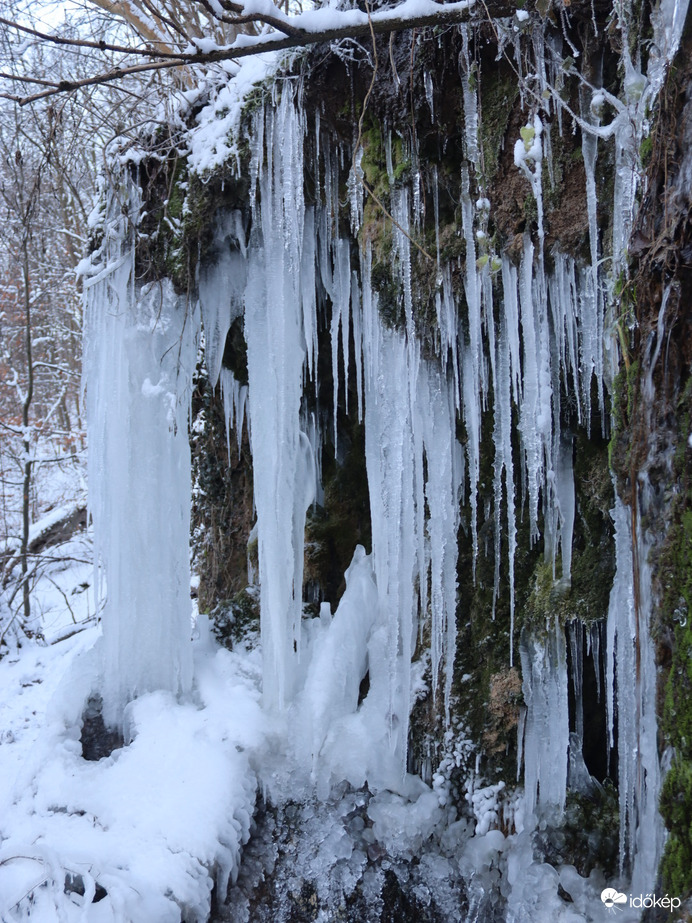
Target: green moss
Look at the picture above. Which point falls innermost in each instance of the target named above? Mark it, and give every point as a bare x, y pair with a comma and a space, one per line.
499, 93
676, 810
676, 865
676, 576
374, 160
673, 633
236, 621
625, 389
645, 151
588, 837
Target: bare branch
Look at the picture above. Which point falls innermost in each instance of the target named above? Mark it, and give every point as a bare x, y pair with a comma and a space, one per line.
87, 43
355, 25
20, 79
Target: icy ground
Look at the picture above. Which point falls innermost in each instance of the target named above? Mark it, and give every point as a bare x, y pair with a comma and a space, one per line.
133, 836
144, 834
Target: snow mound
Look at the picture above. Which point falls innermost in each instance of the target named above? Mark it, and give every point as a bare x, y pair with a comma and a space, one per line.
142, 834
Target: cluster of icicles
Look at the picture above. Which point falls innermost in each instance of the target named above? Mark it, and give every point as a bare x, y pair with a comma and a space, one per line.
545, 336
549, 335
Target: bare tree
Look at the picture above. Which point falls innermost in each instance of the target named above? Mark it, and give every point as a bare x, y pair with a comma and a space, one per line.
19, 192
48, 168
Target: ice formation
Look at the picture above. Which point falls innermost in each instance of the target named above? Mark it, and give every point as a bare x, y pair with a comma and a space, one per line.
546, 733
139, 355
631, 695
285, 269
546, 340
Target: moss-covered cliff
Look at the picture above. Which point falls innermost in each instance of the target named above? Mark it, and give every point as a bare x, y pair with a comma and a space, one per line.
420, 155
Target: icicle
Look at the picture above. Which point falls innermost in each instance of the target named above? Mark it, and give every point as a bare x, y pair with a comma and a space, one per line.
338, 287
576, 645
436, 417
473, 372
402, 253
140, 352
221, 286
535, 417
511, 317
631, 692
283, 464
470, 101
521, 731
502, 439
389, 450
560, 503
388, 158
427, 80
355, 192
234, 404
596, 654
311, 428
307, 294
546, 747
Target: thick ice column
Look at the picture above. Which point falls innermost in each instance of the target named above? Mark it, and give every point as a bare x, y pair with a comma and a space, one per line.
546, 735
391, 467
631, 694
139, 354
283, 465
445, 466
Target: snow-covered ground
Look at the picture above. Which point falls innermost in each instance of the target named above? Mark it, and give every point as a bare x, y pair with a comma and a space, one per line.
143, 834
138, 835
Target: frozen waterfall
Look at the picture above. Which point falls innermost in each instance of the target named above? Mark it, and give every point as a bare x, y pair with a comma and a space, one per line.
140, 349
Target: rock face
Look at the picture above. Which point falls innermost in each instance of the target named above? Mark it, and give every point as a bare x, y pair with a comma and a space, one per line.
313, 859
652, 454
461, 350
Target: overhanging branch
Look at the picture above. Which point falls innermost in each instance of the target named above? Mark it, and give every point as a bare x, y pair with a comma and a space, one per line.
305, 30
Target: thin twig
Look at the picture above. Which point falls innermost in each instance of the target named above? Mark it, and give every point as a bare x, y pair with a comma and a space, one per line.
60, 590
383, 22
365, 185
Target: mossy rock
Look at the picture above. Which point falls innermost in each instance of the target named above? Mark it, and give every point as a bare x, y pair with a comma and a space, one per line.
499, 92
588, 837
237, 621
676, 810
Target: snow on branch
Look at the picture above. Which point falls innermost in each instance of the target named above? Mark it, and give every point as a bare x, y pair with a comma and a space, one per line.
255, 26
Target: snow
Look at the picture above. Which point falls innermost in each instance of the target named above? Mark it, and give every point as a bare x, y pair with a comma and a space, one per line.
147, 823
213, 141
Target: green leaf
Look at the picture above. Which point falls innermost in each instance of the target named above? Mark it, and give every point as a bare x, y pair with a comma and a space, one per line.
528, 133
